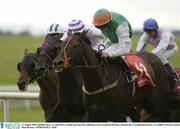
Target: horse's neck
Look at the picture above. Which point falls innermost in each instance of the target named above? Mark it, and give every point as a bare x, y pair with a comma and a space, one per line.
98, 77
48, 84
70, 77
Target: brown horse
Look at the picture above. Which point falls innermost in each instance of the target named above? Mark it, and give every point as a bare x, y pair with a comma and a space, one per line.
48, 84
178, 86
69, 106
147, 117
106, 93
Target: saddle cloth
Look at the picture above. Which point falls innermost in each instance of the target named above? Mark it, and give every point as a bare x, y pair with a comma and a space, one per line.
140, 69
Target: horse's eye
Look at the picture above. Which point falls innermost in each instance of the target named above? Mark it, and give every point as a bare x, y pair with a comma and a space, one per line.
19, 66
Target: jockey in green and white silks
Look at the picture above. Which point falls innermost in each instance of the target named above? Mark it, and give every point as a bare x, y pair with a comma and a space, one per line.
118, 30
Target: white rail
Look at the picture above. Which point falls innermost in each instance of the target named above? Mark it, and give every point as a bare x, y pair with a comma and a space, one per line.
5, 96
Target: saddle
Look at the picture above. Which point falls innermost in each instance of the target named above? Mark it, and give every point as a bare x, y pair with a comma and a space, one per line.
140, 69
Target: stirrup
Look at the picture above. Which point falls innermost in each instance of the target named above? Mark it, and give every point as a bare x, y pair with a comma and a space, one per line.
132, 79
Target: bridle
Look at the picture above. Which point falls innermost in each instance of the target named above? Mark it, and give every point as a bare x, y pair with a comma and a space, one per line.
32, 77
67, 64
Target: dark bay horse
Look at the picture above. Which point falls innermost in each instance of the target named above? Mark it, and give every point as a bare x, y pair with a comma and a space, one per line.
48, 84
148, 117
106, 93
69, 107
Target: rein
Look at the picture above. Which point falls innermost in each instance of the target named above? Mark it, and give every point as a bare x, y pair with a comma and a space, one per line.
45, 54
90, 66
66, 64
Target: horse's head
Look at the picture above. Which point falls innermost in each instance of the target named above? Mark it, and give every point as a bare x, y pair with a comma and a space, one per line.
72, 52
27, 70
47, 53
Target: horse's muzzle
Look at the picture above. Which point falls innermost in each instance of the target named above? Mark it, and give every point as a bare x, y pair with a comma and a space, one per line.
58, 66
22, 85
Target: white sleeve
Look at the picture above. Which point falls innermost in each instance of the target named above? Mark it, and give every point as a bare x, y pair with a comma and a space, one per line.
93, 32
163, 43
95, 36
124, 42
142, 43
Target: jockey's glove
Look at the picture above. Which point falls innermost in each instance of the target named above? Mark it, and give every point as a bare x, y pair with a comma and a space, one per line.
104, 54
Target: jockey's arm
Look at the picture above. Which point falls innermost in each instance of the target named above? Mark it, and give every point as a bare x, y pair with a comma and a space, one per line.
142, 43
163, 43
95, 36
94, 32
124, 42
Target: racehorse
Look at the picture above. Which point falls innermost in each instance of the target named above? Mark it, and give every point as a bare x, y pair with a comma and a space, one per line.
107, 97
69, 106
147, 117
48, 84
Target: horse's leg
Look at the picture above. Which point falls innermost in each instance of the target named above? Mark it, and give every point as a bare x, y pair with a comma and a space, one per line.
133, 114
58, 114
45, 103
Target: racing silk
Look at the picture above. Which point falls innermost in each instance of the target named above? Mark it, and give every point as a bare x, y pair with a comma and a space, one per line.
164, 44
95, 36
119, 33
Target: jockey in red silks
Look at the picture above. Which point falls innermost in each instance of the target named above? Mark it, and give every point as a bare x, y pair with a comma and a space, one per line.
118, 30
163, 42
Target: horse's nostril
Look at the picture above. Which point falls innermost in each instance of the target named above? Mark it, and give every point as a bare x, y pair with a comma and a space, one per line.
40, 69
21, 85
59, 63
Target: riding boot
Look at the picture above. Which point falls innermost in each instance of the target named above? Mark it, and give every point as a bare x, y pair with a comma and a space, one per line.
127, 70
172, 75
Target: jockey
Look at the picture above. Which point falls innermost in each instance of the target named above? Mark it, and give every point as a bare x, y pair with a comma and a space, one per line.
55, 34
93, 34
56, 31
163, 42
118, 30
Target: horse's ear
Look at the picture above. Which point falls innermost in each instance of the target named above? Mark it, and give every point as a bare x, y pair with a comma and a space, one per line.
25, 51
38, 51
84, 33
19, 66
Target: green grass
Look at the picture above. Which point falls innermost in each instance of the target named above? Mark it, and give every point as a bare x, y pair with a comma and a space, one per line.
22, 115
11, 52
